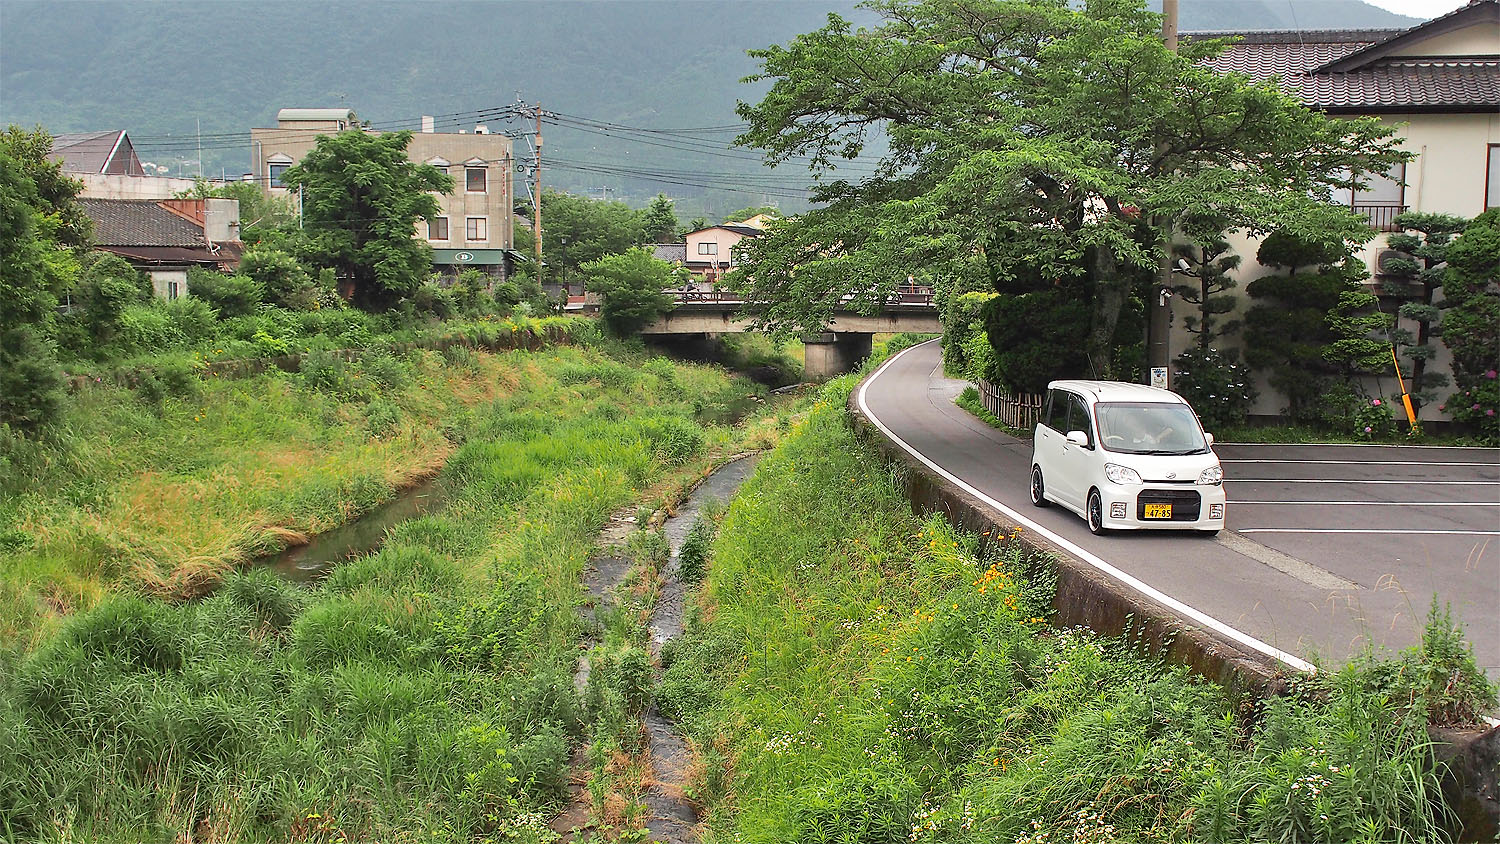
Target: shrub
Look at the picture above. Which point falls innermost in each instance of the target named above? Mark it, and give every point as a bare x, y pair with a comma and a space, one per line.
148, 328
433, 301
192, 318
284, 280
632, 285
232, 295
31, 382
1373, 420
1216, 384
692, 557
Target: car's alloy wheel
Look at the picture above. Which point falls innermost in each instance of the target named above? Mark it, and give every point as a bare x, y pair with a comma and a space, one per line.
1096, 514
1038, 491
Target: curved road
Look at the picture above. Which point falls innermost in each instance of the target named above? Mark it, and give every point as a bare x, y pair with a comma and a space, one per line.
1329, 549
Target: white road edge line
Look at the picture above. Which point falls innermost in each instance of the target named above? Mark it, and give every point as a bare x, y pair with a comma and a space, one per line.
1359, 445
1373, 530
1241, 502
1443, 464
1087, 557
1348, 481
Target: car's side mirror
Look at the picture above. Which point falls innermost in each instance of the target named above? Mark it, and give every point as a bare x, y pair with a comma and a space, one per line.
1078, 438
1210, 438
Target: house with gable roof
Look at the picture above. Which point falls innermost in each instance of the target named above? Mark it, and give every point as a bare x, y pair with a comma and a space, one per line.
164, 238
1437, 83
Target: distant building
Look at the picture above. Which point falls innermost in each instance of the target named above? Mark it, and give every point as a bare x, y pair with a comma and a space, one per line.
107, 164
710, 251
163, 238
673, 253
474, 229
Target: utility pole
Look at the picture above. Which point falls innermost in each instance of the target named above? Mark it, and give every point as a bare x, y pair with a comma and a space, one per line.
536, 195
1158, 308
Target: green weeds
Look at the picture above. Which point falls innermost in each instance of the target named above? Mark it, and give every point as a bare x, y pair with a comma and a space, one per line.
422, 692
852, 673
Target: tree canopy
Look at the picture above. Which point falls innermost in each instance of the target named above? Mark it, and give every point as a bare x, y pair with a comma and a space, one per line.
361, 200
1051, 142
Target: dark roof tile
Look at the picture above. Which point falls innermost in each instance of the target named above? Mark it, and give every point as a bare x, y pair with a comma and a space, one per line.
139, 222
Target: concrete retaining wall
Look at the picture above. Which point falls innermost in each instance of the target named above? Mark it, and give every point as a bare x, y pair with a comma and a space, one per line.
1087, 598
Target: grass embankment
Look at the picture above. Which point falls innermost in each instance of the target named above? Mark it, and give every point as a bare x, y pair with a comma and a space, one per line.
420, 693
167, 486
854, 674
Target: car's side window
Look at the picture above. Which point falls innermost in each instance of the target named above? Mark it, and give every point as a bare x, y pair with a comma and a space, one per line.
1056, 416
1078, 418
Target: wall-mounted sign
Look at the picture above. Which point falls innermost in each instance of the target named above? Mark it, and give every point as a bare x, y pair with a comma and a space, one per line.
464, 257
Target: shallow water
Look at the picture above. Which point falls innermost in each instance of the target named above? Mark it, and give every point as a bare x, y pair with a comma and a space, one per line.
311, 562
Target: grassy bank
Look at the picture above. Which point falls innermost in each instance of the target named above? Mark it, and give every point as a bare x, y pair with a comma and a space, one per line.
168, 485
421, 693
854, 674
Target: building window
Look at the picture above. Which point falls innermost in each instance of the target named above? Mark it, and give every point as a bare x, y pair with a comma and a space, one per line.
477, 228
1380, 200
437, 228
1492, 179
172, 290
708, 249
276, 172
475, 179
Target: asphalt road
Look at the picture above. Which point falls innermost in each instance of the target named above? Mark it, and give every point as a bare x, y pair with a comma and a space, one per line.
1328, 549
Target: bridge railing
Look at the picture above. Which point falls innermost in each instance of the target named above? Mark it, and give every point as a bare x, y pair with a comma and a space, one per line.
1017, 410
919, 297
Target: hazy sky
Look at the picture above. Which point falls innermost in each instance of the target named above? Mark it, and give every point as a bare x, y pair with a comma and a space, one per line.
1418, 8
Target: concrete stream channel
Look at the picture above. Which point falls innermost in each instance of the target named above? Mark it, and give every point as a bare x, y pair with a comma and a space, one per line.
672, 818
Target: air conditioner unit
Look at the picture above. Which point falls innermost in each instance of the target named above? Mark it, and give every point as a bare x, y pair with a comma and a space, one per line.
1389, 256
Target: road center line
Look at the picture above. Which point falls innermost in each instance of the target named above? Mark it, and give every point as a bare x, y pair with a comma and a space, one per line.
1087, 557
1492, 465
1286, 503
1347, 481
1389, 531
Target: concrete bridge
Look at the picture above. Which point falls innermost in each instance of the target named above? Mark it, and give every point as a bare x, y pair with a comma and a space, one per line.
838, 348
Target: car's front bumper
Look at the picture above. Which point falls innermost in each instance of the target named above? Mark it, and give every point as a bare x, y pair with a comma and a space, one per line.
1127, 507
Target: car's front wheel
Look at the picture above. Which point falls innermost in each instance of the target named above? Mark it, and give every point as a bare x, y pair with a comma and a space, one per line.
1038, 490
1095, 512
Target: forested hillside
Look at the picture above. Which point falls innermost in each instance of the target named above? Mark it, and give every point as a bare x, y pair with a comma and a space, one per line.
158, 69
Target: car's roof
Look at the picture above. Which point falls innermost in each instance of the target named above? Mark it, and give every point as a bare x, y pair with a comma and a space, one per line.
1111, 391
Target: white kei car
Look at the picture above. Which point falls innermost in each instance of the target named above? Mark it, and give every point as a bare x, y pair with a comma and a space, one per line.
1126, 457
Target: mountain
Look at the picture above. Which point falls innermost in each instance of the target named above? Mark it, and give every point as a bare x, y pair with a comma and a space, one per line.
172, 72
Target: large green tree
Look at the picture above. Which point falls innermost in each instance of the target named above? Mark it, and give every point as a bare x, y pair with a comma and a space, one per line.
361, 200
30, 378
1060, 142
632, 283
578, 229
659, 221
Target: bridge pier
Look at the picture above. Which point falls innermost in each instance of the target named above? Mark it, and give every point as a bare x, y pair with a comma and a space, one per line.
833, 353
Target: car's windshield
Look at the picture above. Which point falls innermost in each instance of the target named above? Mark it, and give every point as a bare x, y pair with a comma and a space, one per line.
1150, 428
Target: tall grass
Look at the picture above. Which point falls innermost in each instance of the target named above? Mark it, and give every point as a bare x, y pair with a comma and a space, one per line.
421, 693
855, 674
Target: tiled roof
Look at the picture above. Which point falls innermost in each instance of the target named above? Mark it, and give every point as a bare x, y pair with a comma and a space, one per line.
748, 231
139, 222
1357, 71
672, 253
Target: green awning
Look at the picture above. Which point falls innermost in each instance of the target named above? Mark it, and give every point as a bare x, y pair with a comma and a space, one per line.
481, 257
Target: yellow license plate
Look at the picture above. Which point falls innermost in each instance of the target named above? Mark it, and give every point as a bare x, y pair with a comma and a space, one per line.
1158, 511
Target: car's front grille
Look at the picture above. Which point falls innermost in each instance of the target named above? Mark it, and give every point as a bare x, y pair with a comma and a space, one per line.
1186, 504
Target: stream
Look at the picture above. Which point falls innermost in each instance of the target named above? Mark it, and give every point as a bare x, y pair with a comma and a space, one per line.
311, 561
673, 817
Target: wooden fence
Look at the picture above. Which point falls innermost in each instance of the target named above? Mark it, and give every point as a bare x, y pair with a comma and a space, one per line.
1020, 411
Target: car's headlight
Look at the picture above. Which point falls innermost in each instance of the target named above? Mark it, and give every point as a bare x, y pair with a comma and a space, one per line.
1212, 476
1118, 474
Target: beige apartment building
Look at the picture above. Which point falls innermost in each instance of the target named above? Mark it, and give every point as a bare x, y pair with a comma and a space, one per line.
475, 227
